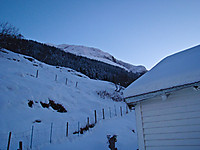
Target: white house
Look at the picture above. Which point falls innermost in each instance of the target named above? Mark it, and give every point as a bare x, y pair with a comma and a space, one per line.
167, 103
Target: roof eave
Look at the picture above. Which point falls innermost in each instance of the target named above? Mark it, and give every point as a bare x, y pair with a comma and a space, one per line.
132, 100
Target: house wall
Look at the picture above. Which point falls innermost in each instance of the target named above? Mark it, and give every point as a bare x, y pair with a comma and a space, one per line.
170, 124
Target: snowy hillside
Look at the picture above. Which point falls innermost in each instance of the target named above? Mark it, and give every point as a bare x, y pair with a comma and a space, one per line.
97, 54
51, 55
34, 94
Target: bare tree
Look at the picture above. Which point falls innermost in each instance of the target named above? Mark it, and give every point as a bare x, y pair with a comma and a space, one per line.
7, 29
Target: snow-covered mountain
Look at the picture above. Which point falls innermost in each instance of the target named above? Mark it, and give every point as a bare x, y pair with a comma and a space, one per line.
97, 54
37, 100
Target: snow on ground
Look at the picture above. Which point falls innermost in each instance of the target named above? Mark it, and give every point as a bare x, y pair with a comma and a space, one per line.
73, 90
175, 70
97, 140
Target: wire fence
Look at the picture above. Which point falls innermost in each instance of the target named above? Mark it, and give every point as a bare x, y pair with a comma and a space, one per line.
38, 136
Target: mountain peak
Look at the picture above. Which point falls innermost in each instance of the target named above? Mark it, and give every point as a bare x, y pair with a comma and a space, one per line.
97, 54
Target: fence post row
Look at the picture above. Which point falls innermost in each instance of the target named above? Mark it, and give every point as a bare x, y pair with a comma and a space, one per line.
67, 126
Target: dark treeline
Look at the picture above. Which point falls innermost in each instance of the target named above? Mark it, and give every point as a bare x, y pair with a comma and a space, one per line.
54, 56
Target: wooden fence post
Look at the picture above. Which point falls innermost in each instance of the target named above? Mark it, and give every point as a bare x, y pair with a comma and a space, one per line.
110, 111
67, 130
127, 109
95, 116
121, 110
20, 145
37, 74
78, 127
115, 111
88, 121
31, 143
103, 113
51, 132
56, 77
66, 81
9, 138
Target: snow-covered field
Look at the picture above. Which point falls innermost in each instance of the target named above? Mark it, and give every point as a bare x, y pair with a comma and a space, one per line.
19, 86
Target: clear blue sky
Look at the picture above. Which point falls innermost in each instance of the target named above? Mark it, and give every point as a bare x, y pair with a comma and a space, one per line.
135, 31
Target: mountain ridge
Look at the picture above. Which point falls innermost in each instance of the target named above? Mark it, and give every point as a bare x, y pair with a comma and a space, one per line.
98, 54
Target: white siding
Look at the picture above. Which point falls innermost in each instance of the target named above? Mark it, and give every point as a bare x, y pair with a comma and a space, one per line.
140, 129
171, 124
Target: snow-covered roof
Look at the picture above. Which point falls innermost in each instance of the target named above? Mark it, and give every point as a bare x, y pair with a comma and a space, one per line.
175, 70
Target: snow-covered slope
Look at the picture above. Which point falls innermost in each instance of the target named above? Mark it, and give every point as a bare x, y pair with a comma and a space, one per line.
21, 84
97, 54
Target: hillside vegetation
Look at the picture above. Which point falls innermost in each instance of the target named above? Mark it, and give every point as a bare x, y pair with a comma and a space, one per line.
53, 56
